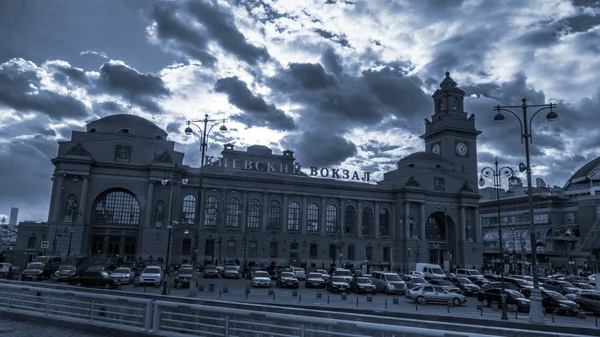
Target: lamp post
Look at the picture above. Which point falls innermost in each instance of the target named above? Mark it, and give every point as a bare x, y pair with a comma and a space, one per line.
535, 315
73, 211
203, 127
497, 174
170, 224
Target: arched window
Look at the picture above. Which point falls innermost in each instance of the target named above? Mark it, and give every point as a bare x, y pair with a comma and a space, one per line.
350, 219
293, 220
188, 209
367, 221
384, 222
455, 103
440, 105
331, 221
274, 215
435, 230
253, 214
232, 218
117, 208
312, 218
211, 211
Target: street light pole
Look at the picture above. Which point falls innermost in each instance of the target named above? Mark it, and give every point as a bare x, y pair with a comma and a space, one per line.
536, 315
497, 174
73, 210
204, 132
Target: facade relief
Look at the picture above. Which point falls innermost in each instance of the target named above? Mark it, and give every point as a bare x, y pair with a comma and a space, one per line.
71, 210
439, 184
123, 154
160, 213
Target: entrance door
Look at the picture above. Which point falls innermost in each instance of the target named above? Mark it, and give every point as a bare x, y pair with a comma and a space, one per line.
114, 245
97, 245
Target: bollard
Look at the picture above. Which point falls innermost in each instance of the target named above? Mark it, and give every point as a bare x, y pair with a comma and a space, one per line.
299, 298
416, 306
553, 316
225, 289
395, 300
480, 308
273, 296
144, 287
357, 301
369, 298
247, 292
319, 295
328, 303
596, 320
449, 305
219, 293
386, 304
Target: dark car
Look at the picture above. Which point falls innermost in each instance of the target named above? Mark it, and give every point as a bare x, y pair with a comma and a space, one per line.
183, 277
555, 303
338, 283
64, 271
480, 281
35, 271
590, 302
513, 297
451, 287
52, 263
211, 271
520, 283
287, 279
466, 286
362, 285
92, 278
315, 280
507, 285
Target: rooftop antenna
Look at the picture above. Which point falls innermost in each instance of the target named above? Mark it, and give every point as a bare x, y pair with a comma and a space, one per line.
131, 104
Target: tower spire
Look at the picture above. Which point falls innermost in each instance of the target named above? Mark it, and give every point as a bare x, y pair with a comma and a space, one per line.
131, 104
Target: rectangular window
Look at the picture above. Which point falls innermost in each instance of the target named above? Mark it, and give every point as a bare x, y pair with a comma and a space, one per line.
253, 249
231, 248
186, 247
312, 218
293, 220
273, 249
274, 218
351, 254
294, 245
331, 223
209, 247
253, 214
294, 255
31, 242
369, 253
386, 254
332, 251
314, 251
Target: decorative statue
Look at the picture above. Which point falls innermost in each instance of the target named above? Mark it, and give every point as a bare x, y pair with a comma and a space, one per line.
71, 206
411, 221
160, 211
469, 232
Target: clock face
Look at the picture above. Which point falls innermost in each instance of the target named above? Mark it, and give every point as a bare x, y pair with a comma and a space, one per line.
461, 149
436, 148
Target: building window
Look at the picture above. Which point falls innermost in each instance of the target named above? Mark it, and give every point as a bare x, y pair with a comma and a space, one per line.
369, 253
273, 249
294, 245
188, 209
130, 243
350, 219
232, 219
211, 211
351, 252
117, 207
384, 222
331, 222
186, 247
312, 218
455, 103
332, 251
253, 249
274, 221
367, 221
434, 230
231, 248
293, 220
386, 254
32, 242
209, 247
253, 214
314, 251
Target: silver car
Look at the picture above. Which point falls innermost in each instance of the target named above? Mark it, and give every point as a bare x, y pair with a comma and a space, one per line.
123, 275
300, 274
434, 294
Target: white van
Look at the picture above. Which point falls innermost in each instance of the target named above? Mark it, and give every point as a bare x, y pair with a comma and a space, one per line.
431, 271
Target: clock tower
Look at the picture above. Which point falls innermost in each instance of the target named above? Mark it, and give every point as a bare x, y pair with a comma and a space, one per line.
451, 132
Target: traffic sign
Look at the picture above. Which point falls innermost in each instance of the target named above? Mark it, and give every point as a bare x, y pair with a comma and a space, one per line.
45, 244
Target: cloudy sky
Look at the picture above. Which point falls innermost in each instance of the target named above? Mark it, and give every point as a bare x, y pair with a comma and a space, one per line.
341, 83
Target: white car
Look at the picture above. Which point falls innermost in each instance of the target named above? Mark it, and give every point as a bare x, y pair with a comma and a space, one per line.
592, 277
261, 278
151, 275
416, 273
123, 275
323, 272
300, 274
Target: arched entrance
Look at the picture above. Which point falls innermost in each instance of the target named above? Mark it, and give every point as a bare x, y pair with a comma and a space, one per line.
440, 233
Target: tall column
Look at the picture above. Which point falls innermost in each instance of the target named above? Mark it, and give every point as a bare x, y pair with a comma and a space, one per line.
303, 213
244, 210
171, 208
377, 224
340, 223
393, 221
149, 204
284, 216
323, 216
463, 225
60, 186
83, 199
423, 222
477, 226
407, 233
359, 213
264, 212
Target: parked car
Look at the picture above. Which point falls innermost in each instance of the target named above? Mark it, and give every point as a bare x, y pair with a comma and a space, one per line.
590, 302
323, 272
253, 270
123, 275
231, 272
555, 303
35, 271
412, 282
342, 272
152, 275
92, 279
388, 283
64, 271
4, 268
261, 278
300, 274
315, 280
211, 271
507, 285
466, 286
338, 284
52, 263
561, 287
362, 285
480, 282
287, 279
513, 297
584, 288
434, 294
183, 278
445, 284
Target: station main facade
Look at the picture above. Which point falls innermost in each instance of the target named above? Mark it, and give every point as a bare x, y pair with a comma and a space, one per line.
121, 187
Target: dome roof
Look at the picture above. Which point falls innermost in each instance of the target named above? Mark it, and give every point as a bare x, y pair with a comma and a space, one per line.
590, 170
124, 123
425, 160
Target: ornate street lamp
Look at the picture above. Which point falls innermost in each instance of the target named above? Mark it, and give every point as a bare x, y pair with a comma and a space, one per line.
73, 212
535, 315
497, 174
